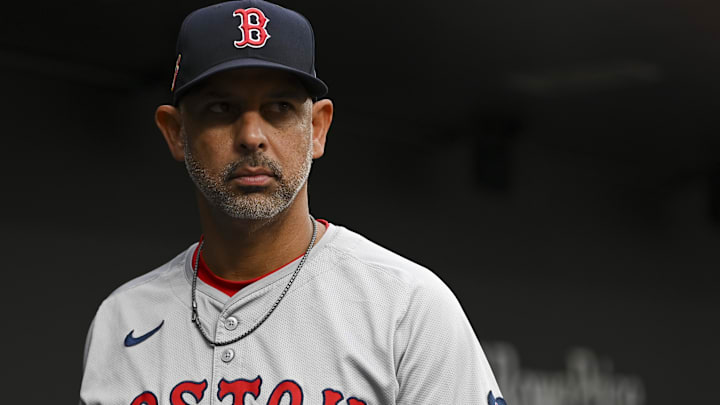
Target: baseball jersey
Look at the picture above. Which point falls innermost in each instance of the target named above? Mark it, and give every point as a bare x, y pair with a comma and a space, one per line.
359, 325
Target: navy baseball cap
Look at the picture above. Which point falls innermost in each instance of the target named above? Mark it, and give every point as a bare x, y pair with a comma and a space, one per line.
245, 33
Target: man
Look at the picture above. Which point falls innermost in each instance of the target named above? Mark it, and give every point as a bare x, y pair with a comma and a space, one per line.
272, 306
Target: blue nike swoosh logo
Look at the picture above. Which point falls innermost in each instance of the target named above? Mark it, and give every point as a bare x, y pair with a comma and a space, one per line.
132, 341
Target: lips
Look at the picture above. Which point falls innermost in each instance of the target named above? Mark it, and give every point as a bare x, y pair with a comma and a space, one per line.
251, 176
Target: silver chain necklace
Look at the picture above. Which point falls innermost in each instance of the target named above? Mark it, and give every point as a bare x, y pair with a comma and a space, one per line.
196, 317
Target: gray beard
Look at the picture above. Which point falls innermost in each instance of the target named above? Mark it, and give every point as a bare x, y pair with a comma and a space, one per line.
251, 205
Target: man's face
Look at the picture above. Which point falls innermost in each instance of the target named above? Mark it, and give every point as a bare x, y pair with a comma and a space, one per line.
247, 136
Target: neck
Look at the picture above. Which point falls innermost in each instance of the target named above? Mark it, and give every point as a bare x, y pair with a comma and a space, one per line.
239, 250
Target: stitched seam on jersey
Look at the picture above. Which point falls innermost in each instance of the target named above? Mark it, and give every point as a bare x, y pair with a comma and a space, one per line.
343, 252
382, 269
306, 278
135, 283
406, 296
405, 284
347, 255
117, 294
399, 322
161, 270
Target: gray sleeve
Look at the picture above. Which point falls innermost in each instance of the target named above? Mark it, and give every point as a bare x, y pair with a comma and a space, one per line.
439, 358
88, 339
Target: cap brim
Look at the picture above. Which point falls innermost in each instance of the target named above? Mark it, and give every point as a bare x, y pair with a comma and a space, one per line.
314, 86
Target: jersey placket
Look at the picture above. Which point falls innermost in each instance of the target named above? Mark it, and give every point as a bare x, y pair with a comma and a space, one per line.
228, 360
241, 313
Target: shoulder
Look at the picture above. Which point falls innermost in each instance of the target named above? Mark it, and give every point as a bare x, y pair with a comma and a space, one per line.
432, 336
149, 288
366, 260
167, 269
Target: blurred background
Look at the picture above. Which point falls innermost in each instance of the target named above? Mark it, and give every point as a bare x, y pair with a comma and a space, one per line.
556, 163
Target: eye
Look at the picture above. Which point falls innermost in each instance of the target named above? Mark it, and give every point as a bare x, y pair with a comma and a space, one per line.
219, 107
281, 107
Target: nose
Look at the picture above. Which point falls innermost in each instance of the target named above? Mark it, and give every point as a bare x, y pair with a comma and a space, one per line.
249, 132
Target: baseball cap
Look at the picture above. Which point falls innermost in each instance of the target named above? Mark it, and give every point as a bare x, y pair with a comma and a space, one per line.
240, 34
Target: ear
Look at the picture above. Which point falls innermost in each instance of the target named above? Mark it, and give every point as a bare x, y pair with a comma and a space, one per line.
167, 118
322, 114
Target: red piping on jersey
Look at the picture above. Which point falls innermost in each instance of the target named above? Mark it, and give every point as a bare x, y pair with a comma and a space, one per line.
230, 287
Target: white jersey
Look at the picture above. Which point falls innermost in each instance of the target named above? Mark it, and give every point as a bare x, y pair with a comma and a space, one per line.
360, 325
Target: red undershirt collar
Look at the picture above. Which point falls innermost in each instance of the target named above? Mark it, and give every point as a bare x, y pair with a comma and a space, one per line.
230, 287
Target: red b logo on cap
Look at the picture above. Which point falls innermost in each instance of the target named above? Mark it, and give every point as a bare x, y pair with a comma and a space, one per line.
252, 25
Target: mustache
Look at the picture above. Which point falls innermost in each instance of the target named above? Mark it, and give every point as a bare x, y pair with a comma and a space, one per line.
254, 160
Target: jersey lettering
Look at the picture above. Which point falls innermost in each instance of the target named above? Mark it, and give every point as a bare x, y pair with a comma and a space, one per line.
196, 389
286, 392
146, 398
252, 26
287, 387
331, 397
238, 389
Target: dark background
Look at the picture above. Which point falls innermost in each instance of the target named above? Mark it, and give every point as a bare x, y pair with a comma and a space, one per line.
557, 163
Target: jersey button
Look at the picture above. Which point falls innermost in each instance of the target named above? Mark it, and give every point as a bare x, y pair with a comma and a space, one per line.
228, 355
231, 323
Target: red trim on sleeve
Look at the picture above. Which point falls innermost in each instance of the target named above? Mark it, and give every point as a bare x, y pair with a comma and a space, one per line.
230, 287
